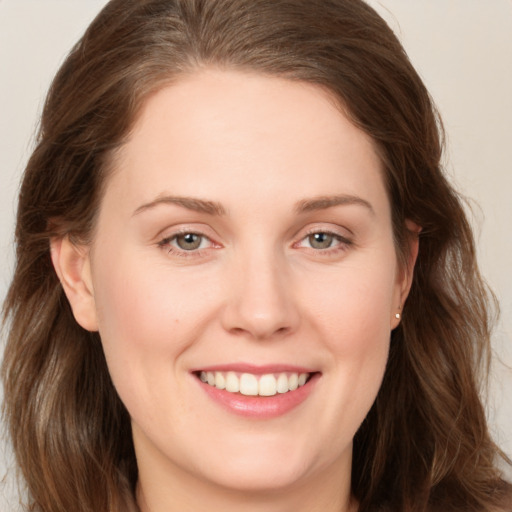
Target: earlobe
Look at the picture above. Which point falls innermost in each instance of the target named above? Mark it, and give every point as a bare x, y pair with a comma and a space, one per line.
72, 265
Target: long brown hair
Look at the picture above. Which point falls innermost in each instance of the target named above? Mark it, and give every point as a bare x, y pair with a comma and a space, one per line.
425, 444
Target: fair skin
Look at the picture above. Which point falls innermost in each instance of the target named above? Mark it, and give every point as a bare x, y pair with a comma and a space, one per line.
246, 227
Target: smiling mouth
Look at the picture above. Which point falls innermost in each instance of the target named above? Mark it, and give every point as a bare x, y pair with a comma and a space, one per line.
249, 384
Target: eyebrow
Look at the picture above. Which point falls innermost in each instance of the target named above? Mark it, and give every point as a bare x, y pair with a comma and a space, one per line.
324, 202
190, 203
215, 208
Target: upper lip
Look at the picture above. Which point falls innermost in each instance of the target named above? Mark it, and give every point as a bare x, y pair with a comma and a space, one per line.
254, 369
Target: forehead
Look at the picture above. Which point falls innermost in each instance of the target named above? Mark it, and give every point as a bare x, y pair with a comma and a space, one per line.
226, 134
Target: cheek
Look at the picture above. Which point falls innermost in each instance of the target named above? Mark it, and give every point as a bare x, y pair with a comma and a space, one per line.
357, 338
353, 316
136, 322
147, 316
354, 306
143, 332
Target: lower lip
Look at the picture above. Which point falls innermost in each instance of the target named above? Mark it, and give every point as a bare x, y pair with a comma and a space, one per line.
262, 407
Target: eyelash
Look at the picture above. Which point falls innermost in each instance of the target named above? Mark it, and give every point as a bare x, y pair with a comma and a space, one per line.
343, 243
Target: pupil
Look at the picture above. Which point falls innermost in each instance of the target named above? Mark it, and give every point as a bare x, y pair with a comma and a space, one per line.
189, 241
320, 240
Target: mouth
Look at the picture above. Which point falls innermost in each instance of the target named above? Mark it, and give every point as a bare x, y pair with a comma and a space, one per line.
257, 392
252, 384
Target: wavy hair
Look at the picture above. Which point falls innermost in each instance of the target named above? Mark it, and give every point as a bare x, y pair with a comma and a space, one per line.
425, 444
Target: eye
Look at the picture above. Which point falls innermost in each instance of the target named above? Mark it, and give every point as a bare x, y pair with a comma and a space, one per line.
322, 240
188, 241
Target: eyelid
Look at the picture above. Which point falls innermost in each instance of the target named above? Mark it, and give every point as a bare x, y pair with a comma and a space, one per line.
327, 228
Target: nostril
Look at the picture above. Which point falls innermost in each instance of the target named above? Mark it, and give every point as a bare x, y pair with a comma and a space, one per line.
260, 332
237, 331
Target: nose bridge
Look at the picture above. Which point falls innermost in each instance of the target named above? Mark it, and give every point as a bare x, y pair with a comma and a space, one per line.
261, 299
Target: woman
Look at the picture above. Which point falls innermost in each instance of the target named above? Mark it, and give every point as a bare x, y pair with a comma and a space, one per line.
242, 280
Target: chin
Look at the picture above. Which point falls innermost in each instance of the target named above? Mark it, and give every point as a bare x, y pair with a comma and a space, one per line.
261, 478
262, 469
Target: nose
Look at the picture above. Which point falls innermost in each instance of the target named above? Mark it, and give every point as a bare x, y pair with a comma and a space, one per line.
261, 301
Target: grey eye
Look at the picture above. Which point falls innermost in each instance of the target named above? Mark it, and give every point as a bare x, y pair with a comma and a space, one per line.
189, 241
321, 240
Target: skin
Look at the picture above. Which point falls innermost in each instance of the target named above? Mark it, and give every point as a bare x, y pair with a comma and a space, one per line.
257, 291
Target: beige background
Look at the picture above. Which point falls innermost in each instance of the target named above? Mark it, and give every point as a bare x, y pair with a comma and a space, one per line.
463, 51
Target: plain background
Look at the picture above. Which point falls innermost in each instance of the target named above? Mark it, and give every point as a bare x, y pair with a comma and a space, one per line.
461, 48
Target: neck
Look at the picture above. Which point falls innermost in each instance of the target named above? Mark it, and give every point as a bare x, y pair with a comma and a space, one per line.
306, 498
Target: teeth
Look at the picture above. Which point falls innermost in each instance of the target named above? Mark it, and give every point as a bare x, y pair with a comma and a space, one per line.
253, 385
232, 383
282, 383
220, 380
267, 385
248, 384
293, 382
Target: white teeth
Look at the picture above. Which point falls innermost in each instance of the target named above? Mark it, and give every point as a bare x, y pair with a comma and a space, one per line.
220, 380
267, 385
252, 385
232, 383
248, 384
282, 383
293, 382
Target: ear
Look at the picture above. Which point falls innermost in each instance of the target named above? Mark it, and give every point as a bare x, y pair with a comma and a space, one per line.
72, 265
406, 273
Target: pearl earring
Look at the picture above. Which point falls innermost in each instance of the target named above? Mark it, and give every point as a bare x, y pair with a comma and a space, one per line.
397, 316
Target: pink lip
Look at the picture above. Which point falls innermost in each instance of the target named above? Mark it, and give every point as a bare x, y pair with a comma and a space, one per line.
259, 407
254, 369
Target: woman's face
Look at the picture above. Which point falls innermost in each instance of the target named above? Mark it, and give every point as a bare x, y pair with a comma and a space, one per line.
245, 238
